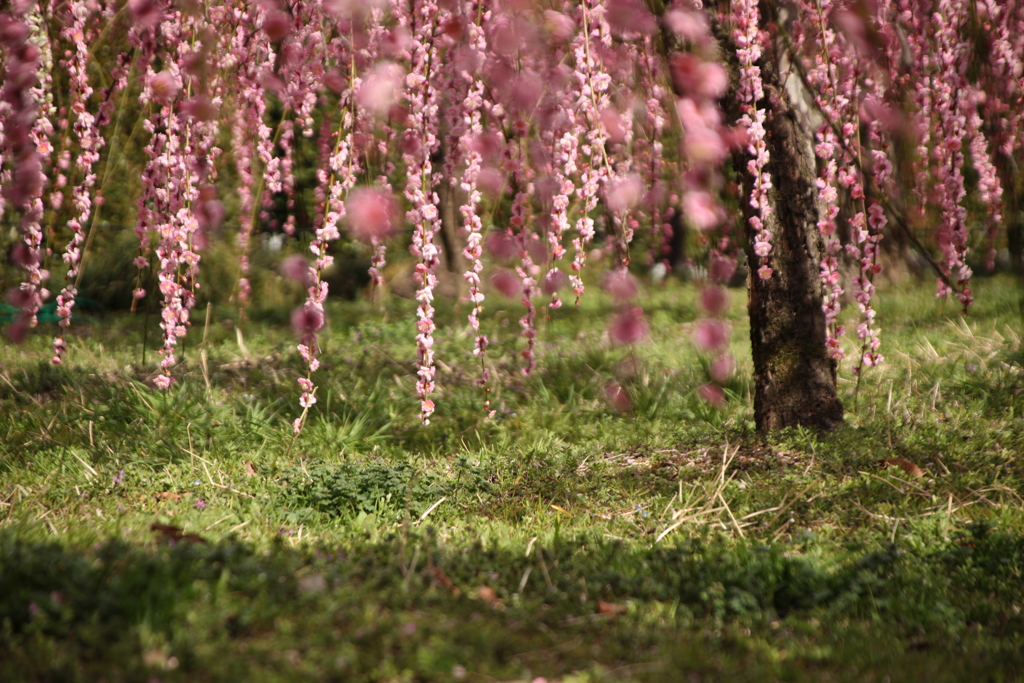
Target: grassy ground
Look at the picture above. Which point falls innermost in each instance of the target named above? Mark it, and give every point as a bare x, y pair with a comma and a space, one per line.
173, 536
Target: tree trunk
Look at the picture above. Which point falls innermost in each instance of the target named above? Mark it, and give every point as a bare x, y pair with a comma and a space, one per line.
794, 378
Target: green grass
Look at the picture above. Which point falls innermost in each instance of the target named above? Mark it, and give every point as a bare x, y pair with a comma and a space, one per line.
562, 539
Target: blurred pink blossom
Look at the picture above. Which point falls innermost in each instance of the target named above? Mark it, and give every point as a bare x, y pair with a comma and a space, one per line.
629, 326
714, 300
295, 268
710, 335
307, 319
688, 25
501, 245
381, 88
620, 284
722, 368
617, 397
702, 210
625, 193
721, 270
165, 86
553, 281
371, 213
507, 284
145, 13
713, 394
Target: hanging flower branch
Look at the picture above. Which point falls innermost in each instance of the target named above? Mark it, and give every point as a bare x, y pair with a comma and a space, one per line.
90, 142
26, 139
521, 114
418, 145
472, 129
746, 18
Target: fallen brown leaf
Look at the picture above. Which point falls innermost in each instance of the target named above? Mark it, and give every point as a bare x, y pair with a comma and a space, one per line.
438, 575
912, 470
167, 495
250, 469
488, 595
173, 534
610, 607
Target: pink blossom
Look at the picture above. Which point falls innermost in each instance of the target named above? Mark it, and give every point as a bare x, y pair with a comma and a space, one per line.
694, 77
709, 335
381, 88
501, 245
277, 25
722, 368
618, 398
165, 86
307, 319
688, 25
714, 300
295, 268
371, 213
620, 284
625, 193
701, 210
491, 181
627, 17
612, 122
145, 13
713, 394
553, 281
721, 269
507, 284
559, 27
629, 326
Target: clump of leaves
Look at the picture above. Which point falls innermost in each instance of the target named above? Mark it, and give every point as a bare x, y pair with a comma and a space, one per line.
365, 486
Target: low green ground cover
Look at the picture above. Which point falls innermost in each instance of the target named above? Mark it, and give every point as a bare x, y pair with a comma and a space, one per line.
186, 536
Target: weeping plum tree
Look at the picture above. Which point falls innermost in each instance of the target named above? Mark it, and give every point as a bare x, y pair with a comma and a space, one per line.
523, 133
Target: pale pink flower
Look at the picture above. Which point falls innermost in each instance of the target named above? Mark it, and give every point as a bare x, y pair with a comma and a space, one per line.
559, 27
702, 210
165, 86
628, 17
553, 281
625, 193
490, 181
710, 335
612, 122
721, 269
620, 284
688, 25
722, 368
371, 213
295, 268
381, 88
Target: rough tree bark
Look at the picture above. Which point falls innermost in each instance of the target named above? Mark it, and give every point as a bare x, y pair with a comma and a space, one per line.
794, 378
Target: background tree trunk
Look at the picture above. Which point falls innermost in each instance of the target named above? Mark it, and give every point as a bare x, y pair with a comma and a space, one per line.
794, 378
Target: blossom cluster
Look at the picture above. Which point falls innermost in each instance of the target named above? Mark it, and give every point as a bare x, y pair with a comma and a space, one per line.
747, 35
470, 128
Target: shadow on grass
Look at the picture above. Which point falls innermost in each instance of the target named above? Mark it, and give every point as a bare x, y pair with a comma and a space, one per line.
416, 607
